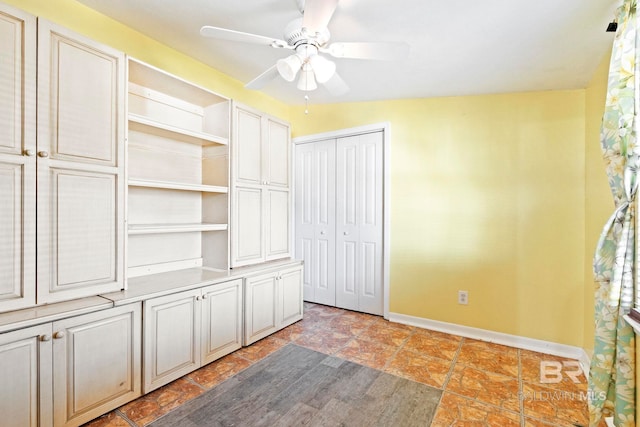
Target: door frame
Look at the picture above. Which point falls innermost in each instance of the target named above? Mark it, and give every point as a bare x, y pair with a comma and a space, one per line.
385, 128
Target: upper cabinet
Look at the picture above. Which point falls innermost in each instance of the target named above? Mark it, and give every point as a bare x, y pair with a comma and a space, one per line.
80, 165
73, 177
178, 174
260, 187
17, 158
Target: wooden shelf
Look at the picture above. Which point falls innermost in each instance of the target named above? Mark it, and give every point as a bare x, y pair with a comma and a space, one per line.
166, 185
138, 122
174, 228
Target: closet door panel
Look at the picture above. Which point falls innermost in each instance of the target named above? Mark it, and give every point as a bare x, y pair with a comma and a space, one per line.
347, 231
17, 158
315, 219
369, 218
359, 229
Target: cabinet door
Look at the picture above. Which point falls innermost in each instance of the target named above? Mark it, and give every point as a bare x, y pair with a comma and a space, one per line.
247, 243
96, 363
290, 283
277, 224
261, 317
277, 153
221, 320
247, 146
17, 158
171, 338
25, 369
80, 165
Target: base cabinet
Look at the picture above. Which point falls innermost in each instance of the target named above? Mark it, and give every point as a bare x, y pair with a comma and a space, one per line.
272, 301
25, 369
70, 371
189, 329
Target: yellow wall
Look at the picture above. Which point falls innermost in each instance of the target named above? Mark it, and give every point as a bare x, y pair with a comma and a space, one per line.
488, 192
92, 24
599, 202
487, 195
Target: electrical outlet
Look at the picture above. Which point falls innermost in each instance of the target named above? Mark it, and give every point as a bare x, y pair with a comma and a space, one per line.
463, 297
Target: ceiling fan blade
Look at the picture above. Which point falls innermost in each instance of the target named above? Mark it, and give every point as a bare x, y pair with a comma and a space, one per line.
239, 36
369, 50
336, 86
318, 13
264, 78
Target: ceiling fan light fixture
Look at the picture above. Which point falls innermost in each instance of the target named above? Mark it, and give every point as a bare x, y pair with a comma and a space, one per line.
307, 80
289, 66
322, 68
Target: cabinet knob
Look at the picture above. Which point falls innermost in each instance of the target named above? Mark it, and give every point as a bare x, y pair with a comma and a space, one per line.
198, 298
204, 296
29, 153
346, 233
58, 335
322, 232
43, 154
45, 338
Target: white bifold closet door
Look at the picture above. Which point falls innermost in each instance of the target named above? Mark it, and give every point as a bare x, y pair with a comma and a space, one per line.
339, 221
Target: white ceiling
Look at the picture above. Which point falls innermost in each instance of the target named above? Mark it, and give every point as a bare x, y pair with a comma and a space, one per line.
457, 47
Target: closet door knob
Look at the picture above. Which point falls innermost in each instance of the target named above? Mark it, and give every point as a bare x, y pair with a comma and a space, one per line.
43, 154
58, 335
29, 153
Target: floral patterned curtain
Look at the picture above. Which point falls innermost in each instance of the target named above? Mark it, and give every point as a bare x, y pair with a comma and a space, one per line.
612, 373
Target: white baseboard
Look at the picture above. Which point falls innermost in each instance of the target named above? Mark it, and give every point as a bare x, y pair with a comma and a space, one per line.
546, 347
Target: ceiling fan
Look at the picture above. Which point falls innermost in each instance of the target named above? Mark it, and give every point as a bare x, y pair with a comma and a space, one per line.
309, 37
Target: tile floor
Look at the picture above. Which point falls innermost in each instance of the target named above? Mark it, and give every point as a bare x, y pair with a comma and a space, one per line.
484, 384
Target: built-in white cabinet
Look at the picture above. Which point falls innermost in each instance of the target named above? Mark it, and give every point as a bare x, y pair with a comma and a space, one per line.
78, 163
67, 372
260, 194
189, 329
272, 301
178, 174
17, 159
26, 372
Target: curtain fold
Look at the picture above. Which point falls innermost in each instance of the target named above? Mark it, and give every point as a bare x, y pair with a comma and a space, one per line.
612, 373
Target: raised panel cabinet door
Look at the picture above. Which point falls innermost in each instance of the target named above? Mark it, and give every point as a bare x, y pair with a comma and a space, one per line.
172, 331
80, 167
221, 320
291, 307
277, 221
277, 153
261, 305
247, 146
96, 363
25, 369
247, 227
17, 158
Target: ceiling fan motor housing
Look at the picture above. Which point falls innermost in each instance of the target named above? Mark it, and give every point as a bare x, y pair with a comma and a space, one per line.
295, 34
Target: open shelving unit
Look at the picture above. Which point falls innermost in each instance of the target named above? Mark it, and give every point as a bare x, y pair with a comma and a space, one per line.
178, 174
